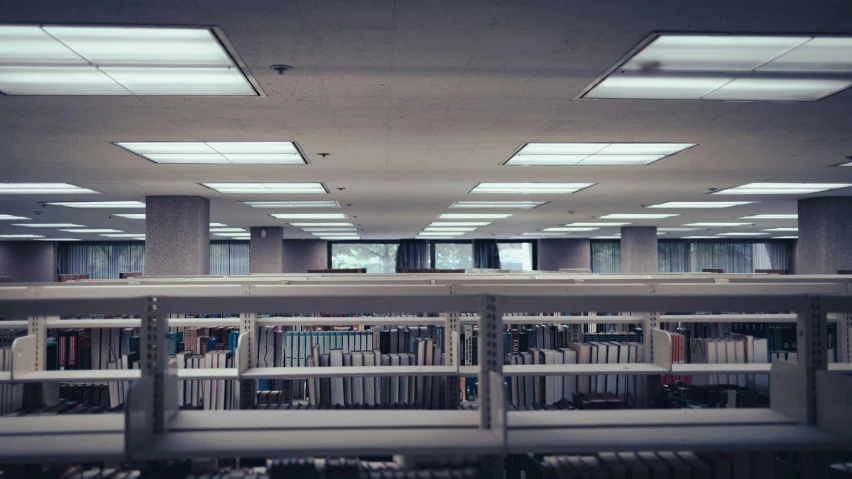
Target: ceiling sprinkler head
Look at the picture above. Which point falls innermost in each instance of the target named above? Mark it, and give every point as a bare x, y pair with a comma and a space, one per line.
280, 68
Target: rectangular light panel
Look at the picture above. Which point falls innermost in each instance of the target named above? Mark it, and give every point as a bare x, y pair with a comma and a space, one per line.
561, 228
530, 188
340, 238
43, 188
316, 230
733, 233
109, 60
700, 237
100, 204
267, 188
678, 229
781, 188
50, 225
700, 204
309, 216
459, 223
474, 216
12, 217
348, 233
782, 229
292, 204
785, 237
539, 233
717, 225
243, 153
124, 235
525, 205
638, 216
769, 217
92, 230
732, 67
21, 236
299, 225
600, 154
227, 230
130, 216
449, 228
441, 233
601, 225
58, 239
607, 237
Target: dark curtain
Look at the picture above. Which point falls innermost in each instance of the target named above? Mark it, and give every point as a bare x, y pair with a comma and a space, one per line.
101, 259
486, 254
412, 254
606, 256
229, 258
673, 256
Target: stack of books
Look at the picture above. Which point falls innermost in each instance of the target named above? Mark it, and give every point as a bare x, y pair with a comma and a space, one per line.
668, 464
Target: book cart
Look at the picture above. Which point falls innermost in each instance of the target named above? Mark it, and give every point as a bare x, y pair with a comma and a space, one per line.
810, 410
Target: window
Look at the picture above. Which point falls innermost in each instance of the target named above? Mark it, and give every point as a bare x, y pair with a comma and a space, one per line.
229, 258
516, 256
453, 255
376, 257
101, 259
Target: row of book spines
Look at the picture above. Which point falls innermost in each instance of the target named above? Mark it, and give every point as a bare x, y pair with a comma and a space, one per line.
208, 394
86, 350
199, 340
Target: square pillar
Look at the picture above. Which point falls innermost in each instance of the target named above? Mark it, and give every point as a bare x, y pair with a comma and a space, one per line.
266, 250
555, 254
177, 235
825, 235
302, 255
639, 249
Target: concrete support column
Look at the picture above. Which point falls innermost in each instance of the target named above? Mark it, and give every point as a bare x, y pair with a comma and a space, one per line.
302, 255
266, 250
555, 254
639, 249
825, 235
28, 261
177, 235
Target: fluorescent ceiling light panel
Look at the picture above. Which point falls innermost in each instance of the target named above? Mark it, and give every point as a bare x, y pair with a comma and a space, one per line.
785, 237
124, 235
562, 228
21, 236
347, 233
309, 216
526, 205
734, 233
268, 153
539, 233
227, 230
433, 237
339, 238
449, 228
100, 204
678, 229
267, 188
700, 237
299, 225
218, 225
638, 216
104, 60
530, 188
315, 230
233, 235
91, 230
781, 188
717, 225
700, 204
601, 225
606, 237
441, 233
564, 154
782, 229
731, 67
292, 204
50, 225
459, 223
58, 239
474, 216
12, 217
130, 216
42, 188
769, 217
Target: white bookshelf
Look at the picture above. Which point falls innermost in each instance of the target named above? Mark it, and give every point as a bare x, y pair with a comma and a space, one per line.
152, 428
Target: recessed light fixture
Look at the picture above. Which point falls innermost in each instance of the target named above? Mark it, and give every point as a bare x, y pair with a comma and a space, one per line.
459, 223
718, 225
218, 225
50, 225
530, 188
99, 204
42, 188
734, 233
638, 216
57, 239
449, 228
292, 204
441, 233
601, 225
540, 233
610, 237
781, 188
730, 67
12, 217
309, 216
227, 230
339, 233
267, 188
525, 205
769, 217
339, 238
785, 237
571, 228
118, 60
124, 235
782, 229
299, 225
700, 237
239, 153
701, 204
316, 230
678, 229
21, 236
92, 230
429, 238
474, 216
595, 154
130, 216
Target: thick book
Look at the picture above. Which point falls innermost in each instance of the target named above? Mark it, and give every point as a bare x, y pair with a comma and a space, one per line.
429, 354
393, 390
357, 382
369, 381
337, 393
394, 341
584, 356
384, 386
325, 383
420, 381
403, 380
529, 384
437, 360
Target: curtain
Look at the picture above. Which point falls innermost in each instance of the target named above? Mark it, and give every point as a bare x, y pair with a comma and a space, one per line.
101, 259
673, 256
412, 254
606, 256
486, 254
229, 258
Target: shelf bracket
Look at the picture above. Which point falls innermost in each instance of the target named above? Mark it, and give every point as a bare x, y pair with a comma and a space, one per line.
246, 358
451, 348
492, 403
811, 353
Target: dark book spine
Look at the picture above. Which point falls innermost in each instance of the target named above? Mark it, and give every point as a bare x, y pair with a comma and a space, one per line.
63, 347
85, 350
384, 342
475, 348
523, 342
72, 350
